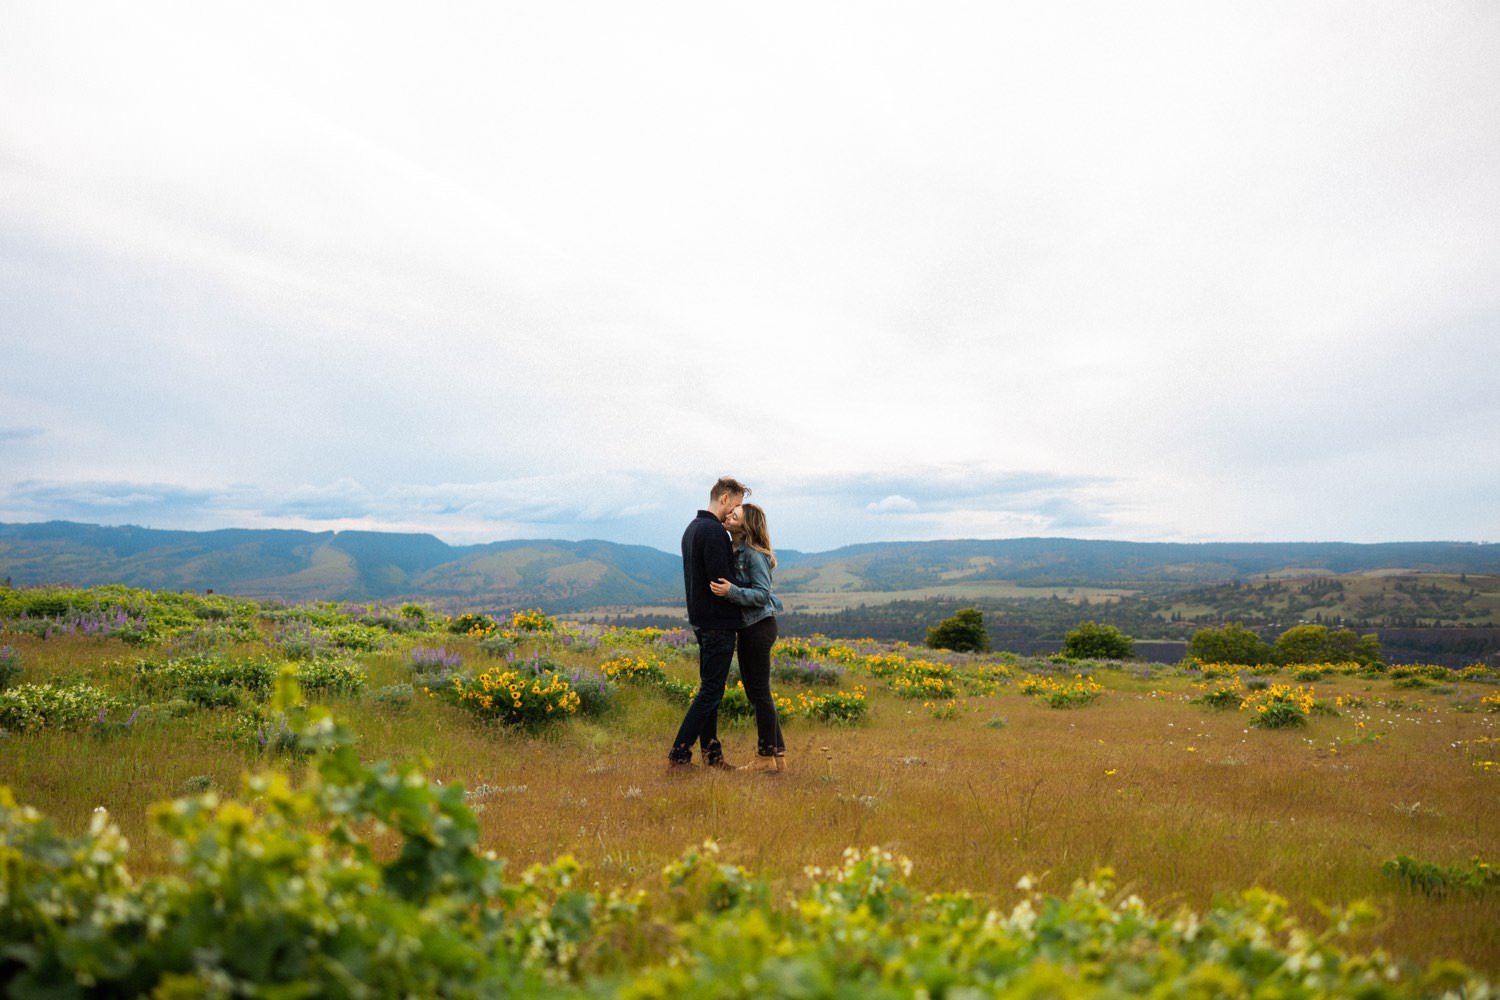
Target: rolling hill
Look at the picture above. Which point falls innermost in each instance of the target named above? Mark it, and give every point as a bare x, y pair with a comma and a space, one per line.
568, 576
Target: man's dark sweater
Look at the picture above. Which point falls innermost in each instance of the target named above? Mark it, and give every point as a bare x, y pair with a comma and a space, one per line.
707, 556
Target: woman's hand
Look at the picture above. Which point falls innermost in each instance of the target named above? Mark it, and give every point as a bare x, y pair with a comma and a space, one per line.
720, 587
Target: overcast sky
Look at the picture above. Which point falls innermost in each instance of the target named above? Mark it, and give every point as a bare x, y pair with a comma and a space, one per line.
1148, 271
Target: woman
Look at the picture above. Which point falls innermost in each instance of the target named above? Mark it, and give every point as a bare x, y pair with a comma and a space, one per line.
753, 562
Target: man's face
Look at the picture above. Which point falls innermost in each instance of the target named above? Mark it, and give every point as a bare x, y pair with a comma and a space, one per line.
727, 503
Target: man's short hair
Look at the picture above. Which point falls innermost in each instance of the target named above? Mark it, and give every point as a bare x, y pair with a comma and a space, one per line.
727, 485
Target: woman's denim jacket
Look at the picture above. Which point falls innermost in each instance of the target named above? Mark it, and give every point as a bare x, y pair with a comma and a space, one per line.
754, 597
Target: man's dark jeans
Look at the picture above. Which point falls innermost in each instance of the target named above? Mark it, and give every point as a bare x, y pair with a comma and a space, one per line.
715, 652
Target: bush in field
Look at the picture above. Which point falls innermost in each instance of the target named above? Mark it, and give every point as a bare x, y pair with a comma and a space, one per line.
339, 676
396, 697
807, 671
836, 708
1058, 693
1316, 644
735, 704
471, 624
434, 660
10, 666
215, 681
596, 695
1223, 695
30, 707
298, 640
1475, 878
1229, 644
639, 670
1092, 641
925, 686
206, 679
532, 621
963, 633
499, 643
516, 697
357, 638
1279, 706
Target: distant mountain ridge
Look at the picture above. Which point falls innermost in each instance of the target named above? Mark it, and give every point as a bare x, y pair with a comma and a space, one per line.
568, 576
340, 566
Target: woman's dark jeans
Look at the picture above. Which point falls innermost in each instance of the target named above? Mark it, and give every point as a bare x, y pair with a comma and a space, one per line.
715, 652
755, 674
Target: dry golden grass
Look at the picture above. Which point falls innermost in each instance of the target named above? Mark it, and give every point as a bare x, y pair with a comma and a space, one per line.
1184, 803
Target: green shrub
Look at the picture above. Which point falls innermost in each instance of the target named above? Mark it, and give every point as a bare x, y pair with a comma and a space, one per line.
1476, 878
30, 707
1092, 641
596, 696
1223, 696
516, 697
498, 644
357, 638
397, 697
1316, 644
332, 676
10, 666
837, 707
964, 632
471, 624
1229, 644
205, 678
640, 670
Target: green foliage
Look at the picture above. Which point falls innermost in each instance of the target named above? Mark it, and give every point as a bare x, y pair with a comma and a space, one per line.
643, 671
1230, 644
10, 666
215, 681
206, 679
395, 697
1222, 696
360, 638
1475, 879
1280, 706
471, 624
515, 697
735, 704
963, 633
29, 707
1316, 644
333, 676
1059, 693
813, 672
416, 612
498, 644
290, 896
1092, 641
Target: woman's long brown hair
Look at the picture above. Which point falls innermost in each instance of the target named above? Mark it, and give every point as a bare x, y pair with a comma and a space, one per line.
753, 529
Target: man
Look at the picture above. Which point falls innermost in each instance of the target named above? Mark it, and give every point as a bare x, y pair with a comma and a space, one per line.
708, 556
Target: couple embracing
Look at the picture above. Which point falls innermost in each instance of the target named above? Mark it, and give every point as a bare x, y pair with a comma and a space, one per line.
726, 568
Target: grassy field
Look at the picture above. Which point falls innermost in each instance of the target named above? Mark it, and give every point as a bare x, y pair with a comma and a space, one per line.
825, 601
1183, 802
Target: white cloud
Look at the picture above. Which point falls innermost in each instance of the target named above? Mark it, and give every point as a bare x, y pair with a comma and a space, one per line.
893, 503
1135, 272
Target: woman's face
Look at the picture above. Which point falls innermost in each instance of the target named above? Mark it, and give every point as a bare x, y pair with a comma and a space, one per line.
734, 520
